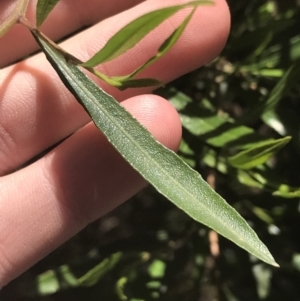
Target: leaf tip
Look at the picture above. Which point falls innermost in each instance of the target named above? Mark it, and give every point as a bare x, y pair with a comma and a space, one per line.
270, 260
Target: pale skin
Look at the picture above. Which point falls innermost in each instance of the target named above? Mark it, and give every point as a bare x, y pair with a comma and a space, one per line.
45, 203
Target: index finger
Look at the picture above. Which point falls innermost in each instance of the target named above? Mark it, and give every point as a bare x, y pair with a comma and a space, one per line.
68, 17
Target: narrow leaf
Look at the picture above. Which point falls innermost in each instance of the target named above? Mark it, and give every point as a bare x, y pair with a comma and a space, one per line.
158, 165
212, 126
127, 81
288, 192
14, 16
43, 9
131, 34
120, 287
257, 155
166, 45
290, 78
138, 83
262, 178
219, 131
97, 272
50, 281
124, 82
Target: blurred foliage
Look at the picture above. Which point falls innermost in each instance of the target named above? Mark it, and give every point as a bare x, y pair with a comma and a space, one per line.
241, 127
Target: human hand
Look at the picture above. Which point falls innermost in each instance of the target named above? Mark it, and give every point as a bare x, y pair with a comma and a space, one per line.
83, 177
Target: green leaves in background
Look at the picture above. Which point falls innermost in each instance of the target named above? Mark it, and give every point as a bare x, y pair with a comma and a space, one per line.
269, 103
100, 270
158, 165
257, 154
218, 135
43, 9
288, 81
50, 281
12, 19
132, 33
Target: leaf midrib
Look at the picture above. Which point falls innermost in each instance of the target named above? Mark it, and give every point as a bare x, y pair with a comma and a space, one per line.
137, 145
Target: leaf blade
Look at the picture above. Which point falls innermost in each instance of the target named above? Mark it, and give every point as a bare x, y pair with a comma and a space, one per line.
132, 33
97, 272
154, 161
165, 46
43, 9
257, 154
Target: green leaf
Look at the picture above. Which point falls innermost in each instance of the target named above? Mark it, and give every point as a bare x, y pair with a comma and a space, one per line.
263, 178
14, 16
290, 78
219, 130
131, 34
257, 155
127, 81
120, 290
120, 287
158, 165
124, 82
43, 9
262, 214
212, 126
288, 192
96, 273
157, 269
50, 282
138, 83
166, 45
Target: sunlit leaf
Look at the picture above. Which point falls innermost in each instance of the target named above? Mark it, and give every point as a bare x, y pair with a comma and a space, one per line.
43, 9
120, 290
268, 72
262, 178
96, 273
157, 269
262, 214
50, 282
257, 155
157, 164
14, 16
187, 154
218, 130
288, 192
246, 178
211, 126
135, 31
120, 286
272, 57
